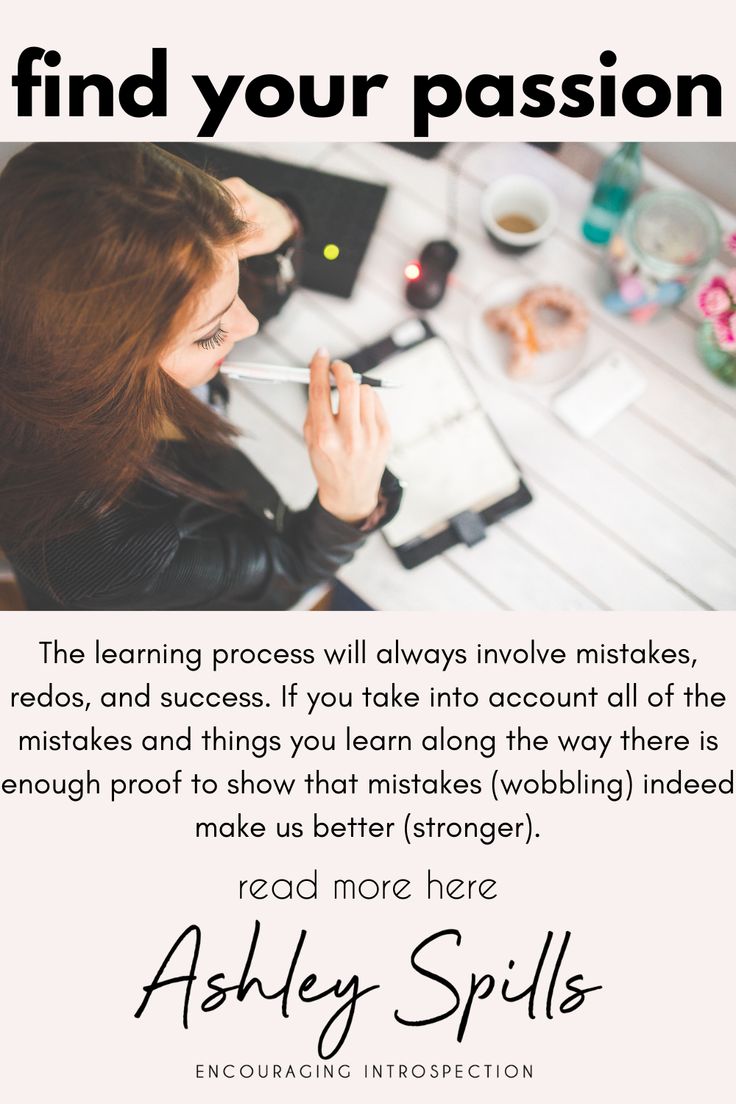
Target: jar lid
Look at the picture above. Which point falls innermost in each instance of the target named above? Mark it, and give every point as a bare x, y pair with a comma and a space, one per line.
673, 234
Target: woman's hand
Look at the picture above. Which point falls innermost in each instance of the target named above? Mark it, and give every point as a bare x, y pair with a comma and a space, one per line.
271, 222
348, 450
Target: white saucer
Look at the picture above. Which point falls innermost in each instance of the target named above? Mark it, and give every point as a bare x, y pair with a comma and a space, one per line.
491, 349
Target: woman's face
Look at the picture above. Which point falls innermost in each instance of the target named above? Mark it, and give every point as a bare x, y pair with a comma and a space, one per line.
219, 319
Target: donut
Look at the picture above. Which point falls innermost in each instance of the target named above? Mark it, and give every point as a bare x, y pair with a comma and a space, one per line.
523, 347
559, 333
530, 333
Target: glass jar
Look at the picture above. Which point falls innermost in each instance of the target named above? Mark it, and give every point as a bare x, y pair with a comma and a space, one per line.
716, 359
663, 244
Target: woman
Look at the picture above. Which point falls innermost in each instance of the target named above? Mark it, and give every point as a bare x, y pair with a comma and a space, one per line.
120, 279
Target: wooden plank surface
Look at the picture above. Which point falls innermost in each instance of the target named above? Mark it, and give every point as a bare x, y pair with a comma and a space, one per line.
642, 516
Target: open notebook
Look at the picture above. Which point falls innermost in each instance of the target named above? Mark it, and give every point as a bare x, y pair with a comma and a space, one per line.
445, 449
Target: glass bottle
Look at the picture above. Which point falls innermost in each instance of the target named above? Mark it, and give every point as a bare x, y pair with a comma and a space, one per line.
665, 240
617, 182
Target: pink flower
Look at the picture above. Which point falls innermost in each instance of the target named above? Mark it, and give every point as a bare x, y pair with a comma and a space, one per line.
731, 242
713, 299
730, 280
724, 328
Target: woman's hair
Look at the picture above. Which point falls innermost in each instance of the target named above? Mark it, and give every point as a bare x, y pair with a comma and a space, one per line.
102, 247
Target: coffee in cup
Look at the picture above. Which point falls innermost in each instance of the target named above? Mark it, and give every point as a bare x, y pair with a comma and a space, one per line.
518, 212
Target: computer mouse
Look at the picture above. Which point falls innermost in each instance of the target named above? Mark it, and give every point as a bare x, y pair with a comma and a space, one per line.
426, 286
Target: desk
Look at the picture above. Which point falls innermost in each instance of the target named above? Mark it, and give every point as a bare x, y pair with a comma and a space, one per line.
643, 516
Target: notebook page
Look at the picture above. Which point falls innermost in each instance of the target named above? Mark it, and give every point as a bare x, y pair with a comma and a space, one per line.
433, 391
444, 449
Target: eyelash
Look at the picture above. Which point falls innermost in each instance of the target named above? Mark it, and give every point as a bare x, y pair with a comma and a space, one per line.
213, 340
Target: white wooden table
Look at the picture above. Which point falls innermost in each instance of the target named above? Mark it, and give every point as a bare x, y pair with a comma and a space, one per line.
643, 516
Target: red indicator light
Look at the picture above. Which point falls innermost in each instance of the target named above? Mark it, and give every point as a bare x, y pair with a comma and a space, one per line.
412, 271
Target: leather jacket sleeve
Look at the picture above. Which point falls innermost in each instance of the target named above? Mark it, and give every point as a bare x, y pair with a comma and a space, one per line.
229, 562
162, 551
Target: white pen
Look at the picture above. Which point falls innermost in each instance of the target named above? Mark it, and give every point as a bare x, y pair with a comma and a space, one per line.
281, 373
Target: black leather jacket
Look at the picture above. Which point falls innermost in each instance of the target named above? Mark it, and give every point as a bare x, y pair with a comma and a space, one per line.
158, 550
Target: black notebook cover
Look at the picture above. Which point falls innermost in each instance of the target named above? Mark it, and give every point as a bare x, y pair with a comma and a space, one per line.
334, 210
468, 526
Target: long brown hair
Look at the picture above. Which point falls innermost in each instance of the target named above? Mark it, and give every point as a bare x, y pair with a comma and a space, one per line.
102, 247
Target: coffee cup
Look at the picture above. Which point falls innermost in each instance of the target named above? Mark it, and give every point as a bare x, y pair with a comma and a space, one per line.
518, 212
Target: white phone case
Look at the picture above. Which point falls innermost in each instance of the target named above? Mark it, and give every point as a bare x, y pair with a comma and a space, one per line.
602, 392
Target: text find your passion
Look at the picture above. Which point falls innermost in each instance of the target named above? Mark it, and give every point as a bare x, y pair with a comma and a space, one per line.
43, 87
